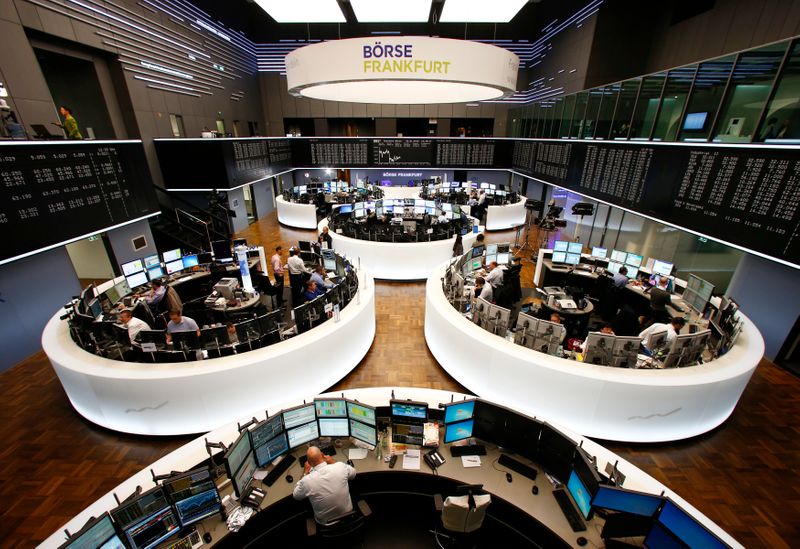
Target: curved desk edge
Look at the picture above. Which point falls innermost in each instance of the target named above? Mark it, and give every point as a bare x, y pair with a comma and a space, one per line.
294, 214
507, 216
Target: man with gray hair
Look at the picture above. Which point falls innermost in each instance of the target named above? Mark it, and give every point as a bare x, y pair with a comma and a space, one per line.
324, 483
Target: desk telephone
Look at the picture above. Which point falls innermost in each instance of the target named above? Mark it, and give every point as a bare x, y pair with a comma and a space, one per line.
434, 459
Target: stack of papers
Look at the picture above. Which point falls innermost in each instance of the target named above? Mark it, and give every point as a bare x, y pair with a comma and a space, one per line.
411, 460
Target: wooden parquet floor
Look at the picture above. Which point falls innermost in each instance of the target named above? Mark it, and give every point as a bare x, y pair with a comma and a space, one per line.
744, 475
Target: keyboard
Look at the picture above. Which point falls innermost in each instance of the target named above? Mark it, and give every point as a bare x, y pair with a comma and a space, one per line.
468, 450
571, 514
517, 466
279, 469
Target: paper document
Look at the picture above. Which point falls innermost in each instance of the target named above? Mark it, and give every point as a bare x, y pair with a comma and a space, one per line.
411, 460
471, 461
357, 453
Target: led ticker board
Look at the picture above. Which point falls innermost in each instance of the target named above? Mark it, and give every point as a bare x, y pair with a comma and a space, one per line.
52, 193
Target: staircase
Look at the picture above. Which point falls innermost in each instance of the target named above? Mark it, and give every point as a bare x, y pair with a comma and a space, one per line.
184, 225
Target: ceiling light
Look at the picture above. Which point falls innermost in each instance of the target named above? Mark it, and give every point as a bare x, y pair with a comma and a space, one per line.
480, 11
390, 11
303, 11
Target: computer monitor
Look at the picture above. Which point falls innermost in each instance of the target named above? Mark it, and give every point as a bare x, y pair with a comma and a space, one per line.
561, 246
360, 212
634, 260
430, 203
299, 415
185, 340
363, 432
626, 351
333, 427
214, 336
334, 407
95, 308
503, 258
446, 207
454, 432
136, 280
171, 255
221, 249
632, 273
190, 261
548, 337
686, 528
491, 249
572, 259
237, 453
132, 267
556, 452
99, 532
151, 261
204, 258
406, 410
626, 501
398, 210
613, 267
498, 319
266, 430
155, 272
419, 210
619, 256
174, 266
113, 295
146, 520
580, 494
244, 475
194, 495
662, 267
660, 538
598, 252
302, 434
476, 264
575, 248
159, 337
559, 257
345, 209
361, 412
477, 251
271, 449
656, 341
599, 349
459, 411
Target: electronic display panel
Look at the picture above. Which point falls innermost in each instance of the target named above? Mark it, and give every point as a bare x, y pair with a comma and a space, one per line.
459, 411
336, 407
363, 432
361, 412
299, 415
454, 432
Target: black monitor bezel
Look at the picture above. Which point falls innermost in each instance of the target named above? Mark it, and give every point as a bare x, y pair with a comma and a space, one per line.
88, 526
320, 399
627, 491
285, 428
456, 403
406, 419
357, 403
134, 500
229, 451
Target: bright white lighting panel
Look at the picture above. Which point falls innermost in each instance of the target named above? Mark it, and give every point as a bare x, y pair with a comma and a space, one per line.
480, 11
303, 11
391, 11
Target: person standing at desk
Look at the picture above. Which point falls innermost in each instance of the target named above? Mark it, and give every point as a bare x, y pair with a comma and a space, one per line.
297, 268
621, 278
325, 238
458, 247
179, 323
133, 324
278, 268
325, 484
659, 299
318, 276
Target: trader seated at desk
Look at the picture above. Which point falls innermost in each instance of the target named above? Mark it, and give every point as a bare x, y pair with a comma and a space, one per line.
324, 483
179, 323
133, 324
311, 292
672, 329
155, 294
495, 276
318, 276
482, 289
233, 338
621, 277
659, 299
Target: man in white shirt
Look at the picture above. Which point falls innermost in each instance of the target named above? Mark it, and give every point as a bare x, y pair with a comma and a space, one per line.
672, 329
278, 269
296, 268
495, 276
325, 484
483, 290
133, 324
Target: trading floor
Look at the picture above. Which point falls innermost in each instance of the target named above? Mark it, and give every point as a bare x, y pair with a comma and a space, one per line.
743, 475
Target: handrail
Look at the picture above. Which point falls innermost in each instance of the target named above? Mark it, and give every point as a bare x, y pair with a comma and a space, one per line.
179, 211
187, 203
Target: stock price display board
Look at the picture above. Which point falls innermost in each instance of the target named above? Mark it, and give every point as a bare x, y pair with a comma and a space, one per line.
52, 193
402, 152
748, 196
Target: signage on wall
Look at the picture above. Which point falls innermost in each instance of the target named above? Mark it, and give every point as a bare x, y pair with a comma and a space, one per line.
401, 174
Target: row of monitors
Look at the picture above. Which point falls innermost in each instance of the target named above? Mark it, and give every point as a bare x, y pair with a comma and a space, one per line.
464, 185
140, 271
570, 253
148, 519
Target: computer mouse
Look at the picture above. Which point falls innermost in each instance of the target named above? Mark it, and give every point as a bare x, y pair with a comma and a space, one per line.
535, 490
509, 478
581, 541
350, 463
207, 537
289, 479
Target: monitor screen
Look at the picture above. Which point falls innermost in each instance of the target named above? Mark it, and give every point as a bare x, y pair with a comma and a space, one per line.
99, 533
503, 258
572, 259
221, 249
204, 258
299, 415
419, 210
662, 267
360, 212
273, 448
446, 207
613, 267
132, 267
155, 272
266, 430
477, 251
301, 435
599, 252
633, 272
491, 248
171, 255
686, 528
618, 256
153, 529
361, 412
561, 246
458, 431
430, 203
331, 408
409, 410
477, 264
194, 494
333, 427
580, 494
634, 260
136, 280
575, 248
238, 452
626, 501
659, 538
96, 308
244, 475
151, 261
363, 432
559, 257
459, 411
346, 209
174, 266
189, 261
695, 121
491, 258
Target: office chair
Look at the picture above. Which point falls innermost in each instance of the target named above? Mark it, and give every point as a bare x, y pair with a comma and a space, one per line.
461, 516
341, 531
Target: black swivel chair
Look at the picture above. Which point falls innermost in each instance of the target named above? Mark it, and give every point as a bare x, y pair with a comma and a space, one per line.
343, 531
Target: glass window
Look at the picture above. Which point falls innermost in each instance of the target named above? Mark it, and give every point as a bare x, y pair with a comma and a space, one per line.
515, 115
783, 115
749, 88
624, 111
679, 82
606, 112
709, 86
176, 123
558, 113
538, 120
592, 108
566, 117
578, 116
647, 106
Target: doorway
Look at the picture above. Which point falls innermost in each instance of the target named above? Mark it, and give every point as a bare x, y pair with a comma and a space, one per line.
91, 260
250, 204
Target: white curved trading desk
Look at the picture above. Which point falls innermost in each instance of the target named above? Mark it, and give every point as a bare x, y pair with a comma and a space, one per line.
596, 401
543, 508
195, 397
506, 216
401, 192
396, 260
294, 214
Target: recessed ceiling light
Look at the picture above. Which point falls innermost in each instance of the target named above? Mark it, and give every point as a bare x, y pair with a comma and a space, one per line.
480, 11
390, 11
303, 11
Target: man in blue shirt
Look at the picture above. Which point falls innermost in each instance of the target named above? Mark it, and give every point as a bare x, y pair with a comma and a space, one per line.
179, 323
621, 278
318, 276
311, 291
